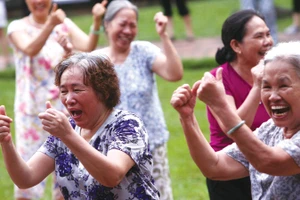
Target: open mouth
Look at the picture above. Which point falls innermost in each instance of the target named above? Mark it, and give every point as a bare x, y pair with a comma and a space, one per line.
279, 110
76, 113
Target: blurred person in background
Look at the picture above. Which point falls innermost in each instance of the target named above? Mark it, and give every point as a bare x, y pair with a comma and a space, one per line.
294, 28
184, 13
3, 40
137, 63
40, 41
267, 9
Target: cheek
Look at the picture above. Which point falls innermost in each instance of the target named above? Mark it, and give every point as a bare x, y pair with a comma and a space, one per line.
264, 97
62, 99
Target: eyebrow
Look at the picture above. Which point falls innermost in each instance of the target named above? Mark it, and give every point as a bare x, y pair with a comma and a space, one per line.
281, 79
72, 85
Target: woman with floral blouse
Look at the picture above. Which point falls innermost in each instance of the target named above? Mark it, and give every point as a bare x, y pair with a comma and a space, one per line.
106, 156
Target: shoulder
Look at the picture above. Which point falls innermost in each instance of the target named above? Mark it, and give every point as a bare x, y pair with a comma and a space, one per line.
143, 45
127, 118
125, 114
16, 25
225, 69
69, 23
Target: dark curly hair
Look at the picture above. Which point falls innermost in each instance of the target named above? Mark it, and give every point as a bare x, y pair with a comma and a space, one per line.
234, 27
98, 72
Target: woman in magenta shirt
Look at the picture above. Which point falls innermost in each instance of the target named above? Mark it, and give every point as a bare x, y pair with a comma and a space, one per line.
246, 39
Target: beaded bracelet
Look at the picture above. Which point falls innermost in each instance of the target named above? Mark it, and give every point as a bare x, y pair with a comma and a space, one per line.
236, 127
94, 31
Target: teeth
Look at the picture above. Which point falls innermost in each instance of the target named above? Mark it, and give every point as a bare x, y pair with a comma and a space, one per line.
277, 107
125, 38
278, 114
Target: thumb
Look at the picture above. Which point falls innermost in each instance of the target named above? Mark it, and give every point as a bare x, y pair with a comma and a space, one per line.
2, 110
196, 86
104, 3
219, 76
48, 105
54, 8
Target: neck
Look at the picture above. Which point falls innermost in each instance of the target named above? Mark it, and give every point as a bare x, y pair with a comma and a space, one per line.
88, 133
288, 133
37, 22
243, 70
118, 56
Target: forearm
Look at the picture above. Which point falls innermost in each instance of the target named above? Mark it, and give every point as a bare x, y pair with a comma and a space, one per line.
256, 152
94, 35
173, 61
83, 42
248, 109
97, 164
203, 155
37, 43
16, 166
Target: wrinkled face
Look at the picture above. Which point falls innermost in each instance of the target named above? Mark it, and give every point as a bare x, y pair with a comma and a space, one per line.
39, 8
122, 29
281, 94
257, 40
80, 100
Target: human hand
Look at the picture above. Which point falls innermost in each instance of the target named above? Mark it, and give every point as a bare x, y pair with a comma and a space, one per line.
63, 40
211, 89
160, 23
57, 16
99, 9
5, 134
257, 73
183, 100
55, 122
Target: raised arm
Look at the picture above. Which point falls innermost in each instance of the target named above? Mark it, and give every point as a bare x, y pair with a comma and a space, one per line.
248, 109
32, 46
213, 165
22, 174
266, 159
168, 64
80, 40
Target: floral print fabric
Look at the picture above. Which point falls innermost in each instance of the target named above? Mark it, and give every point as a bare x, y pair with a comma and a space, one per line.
122, 131
35, 75
265, 186
34, 86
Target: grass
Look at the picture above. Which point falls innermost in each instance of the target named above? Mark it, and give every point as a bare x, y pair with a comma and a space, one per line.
187, 181
206, 23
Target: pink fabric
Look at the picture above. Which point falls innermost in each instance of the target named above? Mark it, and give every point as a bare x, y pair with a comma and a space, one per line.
239, 89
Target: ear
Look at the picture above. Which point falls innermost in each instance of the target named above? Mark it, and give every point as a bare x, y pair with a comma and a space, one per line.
235, 45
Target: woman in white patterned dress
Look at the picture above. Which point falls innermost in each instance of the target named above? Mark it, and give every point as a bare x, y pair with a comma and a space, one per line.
39, 42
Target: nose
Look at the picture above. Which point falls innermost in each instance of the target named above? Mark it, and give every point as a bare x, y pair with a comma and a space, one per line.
127, 30
274, 96
268, 40
69, 99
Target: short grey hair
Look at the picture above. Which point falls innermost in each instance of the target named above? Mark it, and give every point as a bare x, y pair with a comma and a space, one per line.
115, 6
288, 52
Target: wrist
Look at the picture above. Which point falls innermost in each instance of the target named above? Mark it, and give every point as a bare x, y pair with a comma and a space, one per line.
236, 127
164, 35
95, 31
